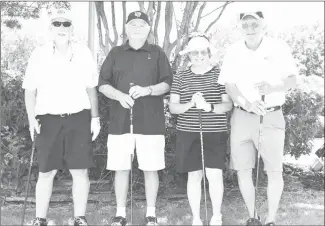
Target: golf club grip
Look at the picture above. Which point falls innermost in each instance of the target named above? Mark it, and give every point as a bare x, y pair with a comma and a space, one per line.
261, 117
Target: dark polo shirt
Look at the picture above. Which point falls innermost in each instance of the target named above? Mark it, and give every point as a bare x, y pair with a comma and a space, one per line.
146, 66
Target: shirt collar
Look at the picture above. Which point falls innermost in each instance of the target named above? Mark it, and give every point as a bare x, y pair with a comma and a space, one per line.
145, 46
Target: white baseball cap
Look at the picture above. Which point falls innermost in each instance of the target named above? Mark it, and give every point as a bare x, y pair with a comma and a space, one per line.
61, 13
257, 15
198, 43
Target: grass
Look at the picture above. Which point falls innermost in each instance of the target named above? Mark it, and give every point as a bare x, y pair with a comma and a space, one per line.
299, 206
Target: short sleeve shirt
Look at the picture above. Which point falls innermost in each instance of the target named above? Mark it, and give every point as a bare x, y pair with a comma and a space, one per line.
146, 66
61, 82
185, 84
271, 62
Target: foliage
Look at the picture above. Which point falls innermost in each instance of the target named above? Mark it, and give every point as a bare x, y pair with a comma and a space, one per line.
12, 12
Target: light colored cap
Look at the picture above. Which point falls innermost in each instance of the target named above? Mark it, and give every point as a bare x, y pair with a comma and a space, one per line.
198, 43
61, 13
257, 15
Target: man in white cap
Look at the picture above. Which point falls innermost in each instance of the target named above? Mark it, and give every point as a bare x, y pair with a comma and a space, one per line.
147, 68
254, 67
61, 102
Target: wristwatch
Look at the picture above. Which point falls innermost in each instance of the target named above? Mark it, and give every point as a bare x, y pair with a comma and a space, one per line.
212, 107
150, 90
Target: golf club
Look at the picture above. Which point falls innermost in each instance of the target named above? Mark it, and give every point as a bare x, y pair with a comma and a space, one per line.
28, 179
131, 160
258, 160
203, 167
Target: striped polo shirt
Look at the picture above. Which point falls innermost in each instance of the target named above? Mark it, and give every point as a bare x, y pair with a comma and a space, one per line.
185, 84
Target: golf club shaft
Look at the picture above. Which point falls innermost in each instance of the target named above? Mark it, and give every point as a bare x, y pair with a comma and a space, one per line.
131, 159
258, 155
203, 167
131, 173
28, 179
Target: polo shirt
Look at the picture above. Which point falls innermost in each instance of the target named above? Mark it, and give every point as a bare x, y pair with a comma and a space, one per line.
146, 66
185, 84
61, 82
271, 62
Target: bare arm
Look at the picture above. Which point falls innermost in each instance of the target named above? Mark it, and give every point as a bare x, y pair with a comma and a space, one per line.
30, 101
160, 89
110, 92
176, 107
236, 96
92, 95
289, 82
223, 107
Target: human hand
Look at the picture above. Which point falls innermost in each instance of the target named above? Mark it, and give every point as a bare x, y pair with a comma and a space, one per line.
125, 100
257, 107
34, 126
95, 127
138, 91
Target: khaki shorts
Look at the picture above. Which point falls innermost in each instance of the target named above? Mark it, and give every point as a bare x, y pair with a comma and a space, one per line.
150, 151
245, 136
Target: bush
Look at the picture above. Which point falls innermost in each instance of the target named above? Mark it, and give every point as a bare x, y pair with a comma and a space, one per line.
302, 110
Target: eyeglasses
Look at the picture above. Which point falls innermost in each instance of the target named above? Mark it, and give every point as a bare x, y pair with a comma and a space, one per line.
253, 25
58, 24
258, 13
202, 53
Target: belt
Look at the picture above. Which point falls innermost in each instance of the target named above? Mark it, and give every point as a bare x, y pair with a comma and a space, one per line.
275, 108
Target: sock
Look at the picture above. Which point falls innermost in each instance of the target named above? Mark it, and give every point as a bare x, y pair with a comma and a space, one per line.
120, 211
151, 211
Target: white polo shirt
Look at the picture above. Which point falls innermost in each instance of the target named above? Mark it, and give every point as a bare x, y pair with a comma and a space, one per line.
61, 82
271, 62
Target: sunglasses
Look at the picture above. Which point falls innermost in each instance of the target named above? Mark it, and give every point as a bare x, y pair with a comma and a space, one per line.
258, 13
58, 24
252, 25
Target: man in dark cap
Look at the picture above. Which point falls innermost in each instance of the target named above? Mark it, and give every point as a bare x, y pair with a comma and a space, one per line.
135, 76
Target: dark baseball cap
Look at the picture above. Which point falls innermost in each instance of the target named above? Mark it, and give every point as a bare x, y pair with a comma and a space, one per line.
138, 15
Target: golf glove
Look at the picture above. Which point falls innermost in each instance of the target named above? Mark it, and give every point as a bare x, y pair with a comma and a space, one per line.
95, 127
34, 126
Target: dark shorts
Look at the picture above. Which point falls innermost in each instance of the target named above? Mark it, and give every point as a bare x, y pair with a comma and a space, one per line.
64, 142
188, 150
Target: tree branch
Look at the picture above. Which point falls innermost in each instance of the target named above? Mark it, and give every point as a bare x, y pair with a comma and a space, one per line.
141, 6
168, 24
155, 30
218, 17
215, 9
199, 16
124, 20
150, 11
102, 15
114, 23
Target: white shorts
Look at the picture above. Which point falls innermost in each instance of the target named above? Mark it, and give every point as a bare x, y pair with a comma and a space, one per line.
150, 151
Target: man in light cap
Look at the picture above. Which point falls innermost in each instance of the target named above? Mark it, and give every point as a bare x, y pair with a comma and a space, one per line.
254, 67
61, 102
136, 75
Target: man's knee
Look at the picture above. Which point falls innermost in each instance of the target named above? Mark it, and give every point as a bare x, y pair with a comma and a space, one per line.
214, 174
275, 176
79, 173
195, 176
48, 175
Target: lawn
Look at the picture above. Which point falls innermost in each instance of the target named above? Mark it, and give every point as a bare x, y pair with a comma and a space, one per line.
302, 203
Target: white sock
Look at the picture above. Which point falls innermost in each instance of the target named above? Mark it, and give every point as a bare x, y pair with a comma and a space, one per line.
120, 211
151, 211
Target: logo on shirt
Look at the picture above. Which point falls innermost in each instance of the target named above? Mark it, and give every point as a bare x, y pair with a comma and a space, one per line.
137, 14
149, 56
